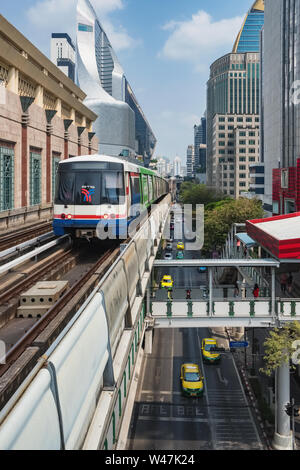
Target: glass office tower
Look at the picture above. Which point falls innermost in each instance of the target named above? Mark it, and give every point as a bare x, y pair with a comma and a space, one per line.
122, 127
248, 39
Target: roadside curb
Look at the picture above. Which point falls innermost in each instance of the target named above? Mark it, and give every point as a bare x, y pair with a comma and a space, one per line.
252, 398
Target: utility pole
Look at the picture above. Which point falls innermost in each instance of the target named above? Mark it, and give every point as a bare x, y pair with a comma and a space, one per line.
283, 439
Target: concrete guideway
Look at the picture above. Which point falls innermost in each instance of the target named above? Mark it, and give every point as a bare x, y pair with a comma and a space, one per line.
50, 410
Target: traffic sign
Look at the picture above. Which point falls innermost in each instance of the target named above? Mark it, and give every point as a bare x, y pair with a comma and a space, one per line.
238, 344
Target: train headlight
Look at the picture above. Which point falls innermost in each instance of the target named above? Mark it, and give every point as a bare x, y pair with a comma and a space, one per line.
105, 216
69, 216
63, 216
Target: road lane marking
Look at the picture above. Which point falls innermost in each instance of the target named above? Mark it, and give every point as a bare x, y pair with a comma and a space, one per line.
211, 426
175, 419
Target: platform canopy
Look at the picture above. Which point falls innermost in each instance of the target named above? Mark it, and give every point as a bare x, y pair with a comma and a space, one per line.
279, 235
246, 240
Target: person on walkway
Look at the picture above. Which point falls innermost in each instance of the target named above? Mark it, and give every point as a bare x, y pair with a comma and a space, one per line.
188, 294
236, 290
283, 282
256, 291
170, 292
289, 283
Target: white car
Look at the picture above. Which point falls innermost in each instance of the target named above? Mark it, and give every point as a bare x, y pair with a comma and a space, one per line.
168, 256
169, 246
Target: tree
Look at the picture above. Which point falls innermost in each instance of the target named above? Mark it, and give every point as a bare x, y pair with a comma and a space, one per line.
219, 220
192, 193
279, 347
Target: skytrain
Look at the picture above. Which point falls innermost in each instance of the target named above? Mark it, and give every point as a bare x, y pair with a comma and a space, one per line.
100, 190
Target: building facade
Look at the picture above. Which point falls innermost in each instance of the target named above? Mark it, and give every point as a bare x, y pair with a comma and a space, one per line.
177, 166
232, 103
281, 65
200, 143
190, 161
63, 53
235, 148
123, 126
248, 37
42, 120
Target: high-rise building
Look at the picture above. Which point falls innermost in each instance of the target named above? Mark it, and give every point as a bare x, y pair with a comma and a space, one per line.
121, 126
177, 166
281, 105
199, 138
190, 161
233, 103
63, 53
248, 39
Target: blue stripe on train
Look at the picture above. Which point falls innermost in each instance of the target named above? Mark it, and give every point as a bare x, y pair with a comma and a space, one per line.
117, 226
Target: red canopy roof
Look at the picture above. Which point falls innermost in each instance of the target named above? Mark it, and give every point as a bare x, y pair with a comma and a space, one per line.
279, 235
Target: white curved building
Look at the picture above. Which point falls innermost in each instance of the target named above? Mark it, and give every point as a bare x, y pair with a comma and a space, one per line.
121, 124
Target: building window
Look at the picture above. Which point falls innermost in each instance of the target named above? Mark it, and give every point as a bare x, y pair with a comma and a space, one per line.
242, 159
252, 150
221, 119
86, 28
221, 128
242, 134
275, 207
251, 134
35, 178
230, 119
242, 176
242, 142
221, 136
284, 179
251, 159
251, 142
6, 178
55, 161
242, 167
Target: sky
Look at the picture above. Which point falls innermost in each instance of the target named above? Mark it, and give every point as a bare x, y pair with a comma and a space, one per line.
164, 46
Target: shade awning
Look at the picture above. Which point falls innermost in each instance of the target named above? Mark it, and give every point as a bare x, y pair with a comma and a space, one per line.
246, 240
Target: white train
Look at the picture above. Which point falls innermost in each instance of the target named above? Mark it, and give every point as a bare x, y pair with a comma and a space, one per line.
97, 189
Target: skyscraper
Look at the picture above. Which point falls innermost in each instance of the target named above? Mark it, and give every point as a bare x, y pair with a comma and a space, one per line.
248, 39
190, 161
177, 166
199, 138
121, 126
63, 53
233, 97
281, 105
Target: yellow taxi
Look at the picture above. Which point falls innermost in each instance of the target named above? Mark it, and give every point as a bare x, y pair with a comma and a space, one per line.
208, 355
180, 246
191, 380
167, 282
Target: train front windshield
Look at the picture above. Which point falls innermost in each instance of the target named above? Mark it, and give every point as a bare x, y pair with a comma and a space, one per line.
91, 183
